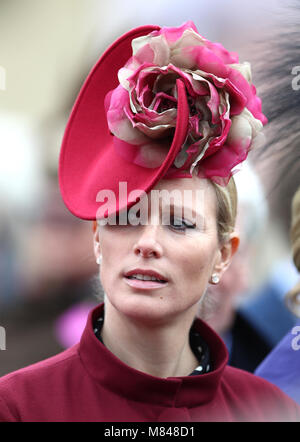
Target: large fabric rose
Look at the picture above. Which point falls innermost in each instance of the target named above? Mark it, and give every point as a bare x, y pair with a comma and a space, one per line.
224, 111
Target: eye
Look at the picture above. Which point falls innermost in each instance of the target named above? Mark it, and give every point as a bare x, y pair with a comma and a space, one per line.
180, 224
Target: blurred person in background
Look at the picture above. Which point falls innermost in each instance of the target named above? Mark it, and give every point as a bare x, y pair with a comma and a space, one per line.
8, 270
56, 274
282, 93
46, 276
282, 365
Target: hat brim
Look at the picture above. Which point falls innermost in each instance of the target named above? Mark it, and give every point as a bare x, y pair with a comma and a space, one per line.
88, 161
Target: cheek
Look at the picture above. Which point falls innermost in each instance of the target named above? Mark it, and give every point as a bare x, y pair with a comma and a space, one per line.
111, 250
112, 243
199, 259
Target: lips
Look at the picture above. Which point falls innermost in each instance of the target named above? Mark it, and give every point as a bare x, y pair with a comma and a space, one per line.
146, 272
144, 285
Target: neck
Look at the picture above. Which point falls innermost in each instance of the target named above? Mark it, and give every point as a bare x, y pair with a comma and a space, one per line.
162, 350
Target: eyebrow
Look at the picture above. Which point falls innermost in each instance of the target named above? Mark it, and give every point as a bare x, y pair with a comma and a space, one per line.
184, 209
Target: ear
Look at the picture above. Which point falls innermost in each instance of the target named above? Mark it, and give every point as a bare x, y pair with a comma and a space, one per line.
226, 253
97, 250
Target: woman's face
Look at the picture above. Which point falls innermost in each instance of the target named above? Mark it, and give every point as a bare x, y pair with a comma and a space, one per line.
185, 255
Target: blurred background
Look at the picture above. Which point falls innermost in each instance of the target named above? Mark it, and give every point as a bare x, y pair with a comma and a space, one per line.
47, 267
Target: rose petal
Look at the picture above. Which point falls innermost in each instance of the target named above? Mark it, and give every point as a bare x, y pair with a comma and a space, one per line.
155, 132
182, 51
205, 60
249, 91
240, 131
222, 162
140, 42
127, 71
123, 75
226, 56
151, 49
145, 54
161, 50
244, 69
256, 125
118, 122
173, 34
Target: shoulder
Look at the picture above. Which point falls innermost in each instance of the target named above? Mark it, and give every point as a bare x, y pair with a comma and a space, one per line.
45, 378
266, 400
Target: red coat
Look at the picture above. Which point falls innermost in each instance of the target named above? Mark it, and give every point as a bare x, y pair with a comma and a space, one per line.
88, 383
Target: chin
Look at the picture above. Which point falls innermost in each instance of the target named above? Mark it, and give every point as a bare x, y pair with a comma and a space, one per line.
145, 308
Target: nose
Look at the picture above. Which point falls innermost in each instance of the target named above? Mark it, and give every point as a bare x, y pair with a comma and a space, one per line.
148, 244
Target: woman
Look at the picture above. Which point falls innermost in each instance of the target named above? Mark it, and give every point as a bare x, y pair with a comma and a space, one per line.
148, 155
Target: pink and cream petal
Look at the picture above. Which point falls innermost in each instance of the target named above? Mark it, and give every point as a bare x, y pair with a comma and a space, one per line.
240, 131
157, 132
161, 51
244, 68
226, 56
173, 34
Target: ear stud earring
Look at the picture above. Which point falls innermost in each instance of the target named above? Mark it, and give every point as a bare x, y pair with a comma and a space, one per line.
215, 278
99, 259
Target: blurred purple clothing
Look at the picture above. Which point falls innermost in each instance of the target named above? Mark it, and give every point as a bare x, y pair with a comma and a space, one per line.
282, 366
71, 323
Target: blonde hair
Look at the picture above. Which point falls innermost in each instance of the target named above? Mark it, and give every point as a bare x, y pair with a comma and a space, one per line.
293, 296
227, 200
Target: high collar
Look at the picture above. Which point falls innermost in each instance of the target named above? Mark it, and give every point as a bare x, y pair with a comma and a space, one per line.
123, 380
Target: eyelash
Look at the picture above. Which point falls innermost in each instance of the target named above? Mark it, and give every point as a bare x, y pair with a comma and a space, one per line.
177, 227
186, 226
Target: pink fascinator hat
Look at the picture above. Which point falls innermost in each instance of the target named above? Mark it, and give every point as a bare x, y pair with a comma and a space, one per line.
159, 103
